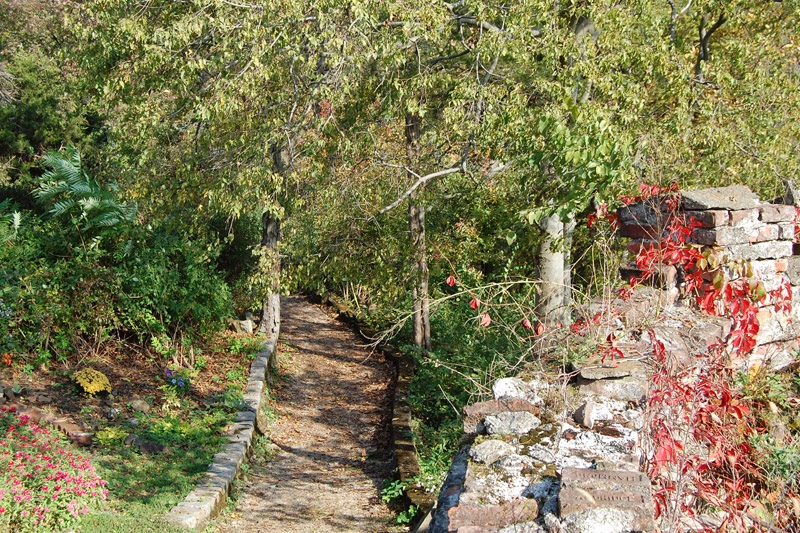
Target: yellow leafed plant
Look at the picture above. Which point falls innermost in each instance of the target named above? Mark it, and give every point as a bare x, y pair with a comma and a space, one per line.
92, 381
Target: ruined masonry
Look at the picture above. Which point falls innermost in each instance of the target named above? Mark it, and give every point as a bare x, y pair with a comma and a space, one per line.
543, 458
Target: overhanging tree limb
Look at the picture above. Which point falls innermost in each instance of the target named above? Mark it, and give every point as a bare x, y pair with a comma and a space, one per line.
421, 180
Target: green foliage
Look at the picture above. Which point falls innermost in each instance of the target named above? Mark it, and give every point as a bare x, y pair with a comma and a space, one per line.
80, 199
392, 490
407, 516
780, 462
143, 487
541, 109
245, 345
231, 398
128, 278
111, 436
44, 104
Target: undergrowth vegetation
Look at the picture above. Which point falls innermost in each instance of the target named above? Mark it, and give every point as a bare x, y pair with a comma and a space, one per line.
81, 270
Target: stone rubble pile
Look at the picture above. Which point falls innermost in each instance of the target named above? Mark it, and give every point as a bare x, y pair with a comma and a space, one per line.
539, 463
547, 457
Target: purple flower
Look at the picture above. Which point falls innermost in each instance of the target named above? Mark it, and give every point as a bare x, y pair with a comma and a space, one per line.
169, 373
173, 381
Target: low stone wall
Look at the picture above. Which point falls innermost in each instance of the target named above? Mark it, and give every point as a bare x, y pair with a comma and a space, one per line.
736, 222
563, 455
211, 493
551, 458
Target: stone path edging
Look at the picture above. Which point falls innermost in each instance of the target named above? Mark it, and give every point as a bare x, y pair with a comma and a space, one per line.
211, 492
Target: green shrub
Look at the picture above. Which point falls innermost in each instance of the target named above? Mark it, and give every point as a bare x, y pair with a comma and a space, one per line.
88, 269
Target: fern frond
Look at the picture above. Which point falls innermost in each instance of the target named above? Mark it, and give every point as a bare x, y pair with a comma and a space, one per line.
62, 206
76, 194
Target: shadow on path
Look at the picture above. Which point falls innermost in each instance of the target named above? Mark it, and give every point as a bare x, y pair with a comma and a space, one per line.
332, 433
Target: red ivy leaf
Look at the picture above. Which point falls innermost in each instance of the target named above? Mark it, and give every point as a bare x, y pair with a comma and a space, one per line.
451, 280
474, 303
486, 320
526, 323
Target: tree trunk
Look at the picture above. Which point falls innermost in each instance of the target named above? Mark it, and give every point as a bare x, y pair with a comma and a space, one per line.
416, 224
271, 308
555, 271
270, 236
569, 231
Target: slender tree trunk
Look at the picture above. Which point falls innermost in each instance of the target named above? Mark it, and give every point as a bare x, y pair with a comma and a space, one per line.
569, 230
555, 271
416, 224
271, 307
270, 237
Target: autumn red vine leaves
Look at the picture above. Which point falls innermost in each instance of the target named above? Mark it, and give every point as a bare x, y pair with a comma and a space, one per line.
699, 425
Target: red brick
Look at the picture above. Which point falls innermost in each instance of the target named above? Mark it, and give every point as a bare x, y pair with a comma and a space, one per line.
710, 219
764, 314
743, 216
777, 213
635, 246
770, 232
632, 230
475, 413
467, 517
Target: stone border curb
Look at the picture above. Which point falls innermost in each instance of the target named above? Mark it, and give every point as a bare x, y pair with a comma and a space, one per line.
211, 492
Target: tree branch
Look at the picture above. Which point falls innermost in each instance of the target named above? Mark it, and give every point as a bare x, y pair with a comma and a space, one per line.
674, 18
421, 180
702, 53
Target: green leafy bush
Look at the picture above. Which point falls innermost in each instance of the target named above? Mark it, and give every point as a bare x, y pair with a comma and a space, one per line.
88, 269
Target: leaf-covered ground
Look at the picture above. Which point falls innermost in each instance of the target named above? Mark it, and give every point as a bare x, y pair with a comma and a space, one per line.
330, 437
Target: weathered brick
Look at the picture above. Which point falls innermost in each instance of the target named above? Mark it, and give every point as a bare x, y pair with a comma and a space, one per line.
776, 213
720, 236
775, 356
770, 232
633, 230
663, 278
652, 211
713, 218
635, 246
492, 516
787, 231
585, 488
774, 327
761, 250
475, 413
732, 197
743, 217
793, 269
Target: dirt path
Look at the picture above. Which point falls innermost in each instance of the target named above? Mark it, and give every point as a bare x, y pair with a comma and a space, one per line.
332, 434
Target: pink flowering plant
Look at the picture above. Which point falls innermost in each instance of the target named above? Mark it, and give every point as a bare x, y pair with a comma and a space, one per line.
43, 485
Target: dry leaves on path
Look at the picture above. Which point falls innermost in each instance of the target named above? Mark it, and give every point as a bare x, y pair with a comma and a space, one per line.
332, 434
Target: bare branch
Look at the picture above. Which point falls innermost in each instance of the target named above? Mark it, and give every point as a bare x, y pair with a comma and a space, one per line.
7, 87
702, 53
421, 180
